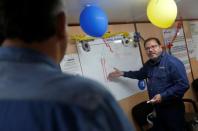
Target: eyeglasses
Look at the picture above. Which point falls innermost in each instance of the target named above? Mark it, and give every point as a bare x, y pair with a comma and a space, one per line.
151, 47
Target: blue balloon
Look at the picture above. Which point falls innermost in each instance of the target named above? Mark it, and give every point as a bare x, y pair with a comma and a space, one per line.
93, 21
141, 84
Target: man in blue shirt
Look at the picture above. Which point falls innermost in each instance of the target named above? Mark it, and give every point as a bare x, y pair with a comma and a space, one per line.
34, 94
167, 83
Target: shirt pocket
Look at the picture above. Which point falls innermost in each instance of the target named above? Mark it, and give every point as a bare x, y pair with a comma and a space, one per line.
161, 76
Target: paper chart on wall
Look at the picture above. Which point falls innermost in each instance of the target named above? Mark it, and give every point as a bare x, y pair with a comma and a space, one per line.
102, 58
194, 32
70, 64
178, 49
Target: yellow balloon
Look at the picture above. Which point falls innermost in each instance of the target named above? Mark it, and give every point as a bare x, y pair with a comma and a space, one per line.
162, 13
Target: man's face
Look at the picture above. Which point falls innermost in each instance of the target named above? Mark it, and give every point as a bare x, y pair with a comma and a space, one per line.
153, 50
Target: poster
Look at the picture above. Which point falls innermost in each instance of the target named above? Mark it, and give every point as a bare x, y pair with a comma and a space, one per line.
71, 64
179, 48
194, 33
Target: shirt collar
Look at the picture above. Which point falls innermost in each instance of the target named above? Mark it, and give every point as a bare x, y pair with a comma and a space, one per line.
25, 55
157, 61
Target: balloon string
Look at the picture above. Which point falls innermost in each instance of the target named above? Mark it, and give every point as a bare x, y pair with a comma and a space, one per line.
178, 27
107, 45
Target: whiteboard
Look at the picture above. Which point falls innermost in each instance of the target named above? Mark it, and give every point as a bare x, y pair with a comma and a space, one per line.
101, 59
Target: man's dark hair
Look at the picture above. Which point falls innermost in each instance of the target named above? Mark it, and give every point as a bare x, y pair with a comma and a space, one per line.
152, 38
28, 20
1, 39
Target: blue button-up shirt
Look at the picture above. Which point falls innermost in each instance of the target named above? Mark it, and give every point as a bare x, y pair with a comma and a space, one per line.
36, 96
166, 76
